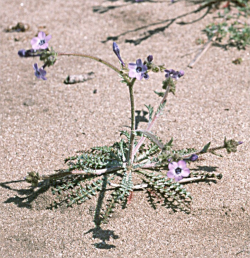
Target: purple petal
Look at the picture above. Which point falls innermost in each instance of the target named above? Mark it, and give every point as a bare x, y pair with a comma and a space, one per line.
42, 72
185, 172
178, 178
34, 42
138, 62
132, 66
182, 164
132, 74
170, 174
139, 76
144, 68
173, 166
47, 38
35, 67
41, 35
44, 46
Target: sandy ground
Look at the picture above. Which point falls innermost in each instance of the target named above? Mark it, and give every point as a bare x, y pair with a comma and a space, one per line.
43, 122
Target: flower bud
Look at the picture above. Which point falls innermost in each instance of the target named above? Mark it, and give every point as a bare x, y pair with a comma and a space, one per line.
193, 157
22, 53
117, 52
149, 58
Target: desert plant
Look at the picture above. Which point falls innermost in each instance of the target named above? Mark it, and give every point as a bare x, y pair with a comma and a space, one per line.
129, 164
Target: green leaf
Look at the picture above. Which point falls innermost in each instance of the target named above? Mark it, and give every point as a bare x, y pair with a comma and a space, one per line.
206, 147
160, 94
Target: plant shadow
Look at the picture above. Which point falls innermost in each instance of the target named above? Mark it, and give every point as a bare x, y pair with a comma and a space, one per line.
29, 195
147, 32
103, 235
103, 9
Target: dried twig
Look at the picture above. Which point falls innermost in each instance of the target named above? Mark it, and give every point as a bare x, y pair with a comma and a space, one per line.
202, 51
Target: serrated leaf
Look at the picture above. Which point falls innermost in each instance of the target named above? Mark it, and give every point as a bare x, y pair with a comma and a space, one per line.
150, 110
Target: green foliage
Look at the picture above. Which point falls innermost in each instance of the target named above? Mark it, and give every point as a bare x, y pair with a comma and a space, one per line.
236, 31
169, 192
49, 57
100, 157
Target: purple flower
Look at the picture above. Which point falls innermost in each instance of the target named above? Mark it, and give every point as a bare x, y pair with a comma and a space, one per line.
178, 170
39, 72
117, 52
40, 42
174, 74
138, 70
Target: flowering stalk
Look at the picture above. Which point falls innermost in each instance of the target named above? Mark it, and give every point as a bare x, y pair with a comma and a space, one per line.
98, 60
150, 125
132, 133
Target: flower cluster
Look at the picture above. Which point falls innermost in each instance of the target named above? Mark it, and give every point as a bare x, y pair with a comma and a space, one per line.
174, 74
39, 45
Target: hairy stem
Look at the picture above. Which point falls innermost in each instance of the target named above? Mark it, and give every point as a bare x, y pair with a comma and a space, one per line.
66, 172
132, 133
150, 125
98, 60
210, 150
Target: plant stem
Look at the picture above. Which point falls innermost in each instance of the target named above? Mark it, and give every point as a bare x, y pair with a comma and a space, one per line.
98, 60
211, 150
183, 181
132, 133
150, 125
66, 172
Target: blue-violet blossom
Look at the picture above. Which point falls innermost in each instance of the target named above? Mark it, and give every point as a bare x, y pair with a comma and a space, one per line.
178, 170
39, 72
138, 70
40, 42
174, 74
